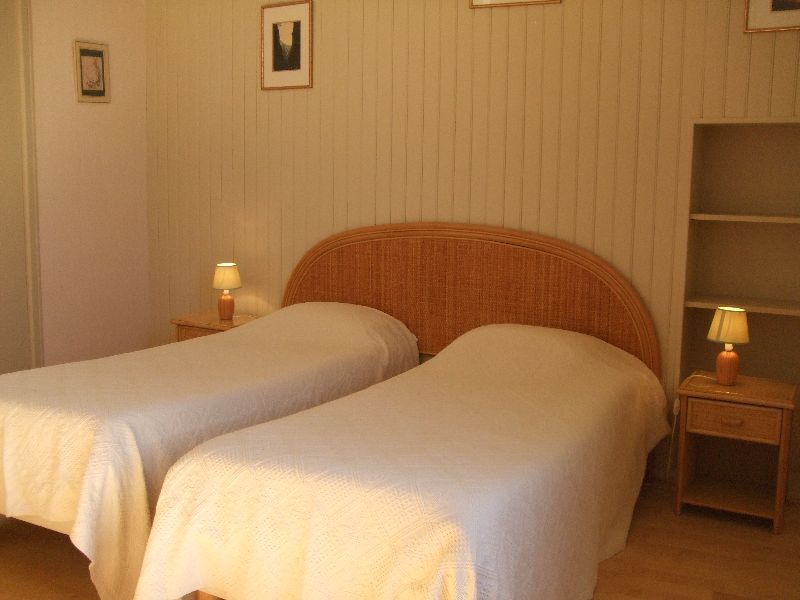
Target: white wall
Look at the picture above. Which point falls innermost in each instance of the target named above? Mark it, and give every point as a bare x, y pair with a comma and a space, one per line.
571, 119
91, 182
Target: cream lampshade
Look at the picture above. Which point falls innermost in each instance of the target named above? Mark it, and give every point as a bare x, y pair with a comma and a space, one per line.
226, 278
729, 326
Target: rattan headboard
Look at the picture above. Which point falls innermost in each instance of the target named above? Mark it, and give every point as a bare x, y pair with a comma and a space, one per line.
442, 280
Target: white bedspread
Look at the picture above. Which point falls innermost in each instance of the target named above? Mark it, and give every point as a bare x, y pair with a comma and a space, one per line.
85, 447
507, 467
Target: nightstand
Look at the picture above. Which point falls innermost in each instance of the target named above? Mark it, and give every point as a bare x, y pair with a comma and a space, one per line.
733, 445
206, 323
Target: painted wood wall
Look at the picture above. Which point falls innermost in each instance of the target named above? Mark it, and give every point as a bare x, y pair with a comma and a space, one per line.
571, 119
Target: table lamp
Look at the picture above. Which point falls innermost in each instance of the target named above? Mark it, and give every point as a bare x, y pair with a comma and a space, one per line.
226, 278
729, 326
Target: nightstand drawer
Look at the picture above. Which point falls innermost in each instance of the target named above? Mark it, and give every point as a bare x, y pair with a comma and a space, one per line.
753, 423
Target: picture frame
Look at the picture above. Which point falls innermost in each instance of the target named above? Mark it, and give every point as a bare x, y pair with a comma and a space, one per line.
771, 15
287, 45
493, 3
92, 77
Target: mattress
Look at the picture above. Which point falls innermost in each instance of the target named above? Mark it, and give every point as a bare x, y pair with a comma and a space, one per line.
506, 467
85, 447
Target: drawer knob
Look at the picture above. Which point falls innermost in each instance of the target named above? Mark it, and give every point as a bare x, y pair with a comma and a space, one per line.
732, 422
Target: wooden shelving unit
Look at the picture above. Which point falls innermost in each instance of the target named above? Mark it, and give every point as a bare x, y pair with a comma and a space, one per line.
745, 218
733, 496
744, 249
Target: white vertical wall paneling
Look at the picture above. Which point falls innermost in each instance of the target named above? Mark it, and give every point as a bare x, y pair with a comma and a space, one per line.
463, 118
608, 129
329, 53
665, 222
338, 46
738, 63
481, 72
516, 48
415, 107
241, 41
181, 282
429, 150
640, 252
258, 288
227, 122
497, 135
286, 158
399, 110
253, 248
448, 65
586, 186
551, 122
263, 244
355, 102
204, 164
272, 196
369, 112
570, 120
629, 152
691, 109
532, 139
300, 195
218, 63
716, 56
784, 84
384, 146
759, 79
573, 119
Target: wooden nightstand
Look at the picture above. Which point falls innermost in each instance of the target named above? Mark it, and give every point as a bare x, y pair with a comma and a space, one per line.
733, 445
206, 323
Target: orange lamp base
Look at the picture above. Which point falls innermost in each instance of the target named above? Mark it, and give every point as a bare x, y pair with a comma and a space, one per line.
727, 367
225, 307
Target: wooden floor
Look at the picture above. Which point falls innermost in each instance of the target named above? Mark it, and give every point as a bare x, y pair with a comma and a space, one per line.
702, 555
699, 555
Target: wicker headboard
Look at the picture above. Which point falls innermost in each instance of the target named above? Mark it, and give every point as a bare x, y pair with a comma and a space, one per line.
442, 280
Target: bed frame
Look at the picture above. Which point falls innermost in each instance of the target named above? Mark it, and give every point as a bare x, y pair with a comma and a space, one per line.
443, 279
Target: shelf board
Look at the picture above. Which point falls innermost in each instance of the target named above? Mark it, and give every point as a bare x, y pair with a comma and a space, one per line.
754, 305
748, 121
784, 220
742, 498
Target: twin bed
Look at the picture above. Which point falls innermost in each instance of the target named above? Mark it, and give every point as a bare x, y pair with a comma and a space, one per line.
506, 466
86, 446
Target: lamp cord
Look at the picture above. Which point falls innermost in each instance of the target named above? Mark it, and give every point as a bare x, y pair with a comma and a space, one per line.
675, 414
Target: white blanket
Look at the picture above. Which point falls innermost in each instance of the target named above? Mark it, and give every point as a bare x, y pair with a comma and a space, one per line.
85, 447
507, 467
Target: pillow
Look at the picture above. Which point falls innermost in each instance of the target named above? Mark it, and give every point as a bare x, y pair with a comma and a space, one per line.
338, 325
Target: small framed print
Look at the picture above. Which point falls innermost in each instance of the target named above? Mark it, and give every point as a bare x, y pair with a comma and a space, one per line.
490, 3
286, 45
91, 72
771, 15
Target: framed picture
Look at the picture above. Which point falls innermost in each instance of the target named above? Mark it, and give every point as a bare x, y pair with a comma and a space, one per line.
286, 45
771, 15
91, 72
490, 3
